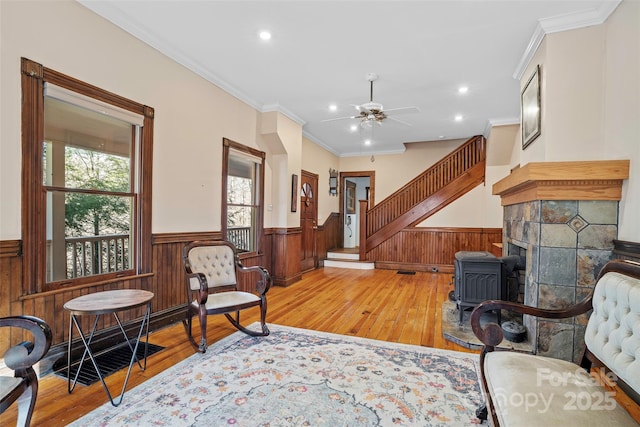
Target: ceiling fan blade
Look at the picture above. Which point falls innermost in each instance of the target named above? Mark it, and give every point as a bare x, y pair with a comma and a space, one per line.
403, 110
399, 121
341, 118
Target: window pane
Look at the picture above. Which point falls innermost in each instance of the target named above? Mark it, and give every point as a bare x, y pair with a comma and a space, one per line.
241, 227
86, 149
239, 191
87, 234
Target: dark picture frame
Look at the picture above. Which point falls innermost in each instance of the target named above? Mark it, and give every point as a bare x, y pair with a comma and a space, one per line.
350, 197
294, 193
530, 109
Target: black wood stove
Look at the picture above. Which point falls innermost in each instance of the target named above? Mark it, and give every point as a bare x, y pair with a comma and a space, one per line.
479, 276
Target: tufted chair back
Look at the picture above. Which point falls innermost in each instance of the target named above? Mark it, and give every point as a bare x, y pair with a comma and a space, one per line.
613, 331
217, 263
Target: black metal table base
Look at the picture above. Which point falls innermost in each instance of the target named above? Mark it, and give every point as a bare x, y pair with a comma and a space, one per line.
71, 383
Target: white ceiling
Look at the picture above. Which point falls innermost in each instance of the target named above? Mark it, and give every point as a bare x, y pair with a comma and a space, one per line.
321, 51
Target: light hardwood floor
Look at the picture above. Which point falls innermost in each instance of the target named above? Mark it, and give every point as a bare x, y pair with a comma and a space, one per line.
376, 304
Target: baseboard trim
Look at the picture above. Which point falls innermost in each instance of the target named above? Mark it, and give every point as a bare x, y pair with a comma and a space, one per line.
288, 281
405, 266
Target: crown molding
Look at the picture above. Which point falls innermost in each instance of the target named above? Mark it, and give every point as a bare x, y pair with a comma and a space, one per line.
491, 123
280, 109
137, 30
372, 153
570, 21
320, 143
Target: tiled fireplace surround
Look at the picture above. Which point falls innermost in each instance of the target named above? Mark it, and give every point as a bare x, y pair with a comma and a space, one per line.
564, 217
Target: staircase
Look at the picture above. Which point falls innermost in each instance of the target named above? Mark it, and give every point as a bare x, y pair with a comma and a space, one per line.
444, 182
450, 178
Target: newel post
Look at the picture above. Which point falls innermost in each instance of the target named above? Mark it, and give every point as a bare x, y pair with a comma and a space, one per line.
364, 205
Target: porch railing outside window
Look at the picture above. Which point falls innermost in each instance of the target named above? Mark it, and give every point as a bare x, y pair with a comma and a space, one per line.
88, 256
240, 237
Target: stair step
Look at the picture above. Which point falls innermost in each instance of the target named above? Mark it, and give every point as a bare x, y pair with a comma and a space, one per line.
353, 264
343, 255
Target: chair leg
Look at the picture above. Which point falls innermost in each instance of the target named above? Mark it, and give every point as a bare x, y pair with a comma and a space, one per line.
188, 327
263, 317
482, 413
203, 332
27, 401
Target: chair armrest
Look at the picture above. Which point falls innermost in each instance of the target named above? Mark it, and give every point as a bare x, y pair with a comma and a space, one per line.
264, 284
203, 293
491, 334
27, 354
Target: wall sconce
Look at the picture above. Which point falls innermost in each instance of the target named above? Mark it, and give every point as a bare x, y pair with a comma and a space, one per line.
333, 182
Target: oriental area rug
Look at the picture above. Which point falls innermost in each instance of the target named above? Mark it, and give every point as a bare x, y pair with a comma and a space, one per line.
298, 377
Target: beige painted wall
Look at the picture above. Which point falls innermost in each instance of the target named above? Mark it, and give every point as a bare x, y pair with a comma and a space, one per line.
392, 169
478, 208
501, 143
316, 159
621, 105
591, 101
573, 119
191, 115
283, 137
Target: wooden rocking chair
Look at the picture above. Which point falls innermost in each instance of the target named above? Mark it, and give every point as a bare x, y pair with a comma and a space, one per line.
212, 287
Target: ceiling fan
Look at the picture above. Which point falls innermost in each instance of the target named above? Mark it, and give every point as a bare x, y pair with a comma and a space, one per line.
373, 112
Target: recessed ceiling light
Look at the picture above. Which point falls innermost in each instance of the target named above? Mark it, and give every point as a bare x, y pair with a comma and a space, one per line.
463, 89
333, 107
354, 128
442, 137
265, 35
367, 142
458, 118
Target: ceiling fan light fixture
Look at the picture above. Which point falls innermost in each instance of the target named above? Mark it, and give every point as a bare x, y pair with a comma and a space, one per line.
372, 106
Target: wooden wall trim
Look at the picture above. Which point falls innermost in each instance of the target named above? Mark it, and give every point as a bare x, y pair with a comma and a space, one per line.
164, 238
10, 248
453, 230
68, 289
283, 231
584, 180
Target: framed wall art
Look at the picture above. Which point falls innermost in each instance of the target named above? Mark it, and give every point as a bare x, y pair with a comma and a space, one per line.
294, 192
530, 109
350, 197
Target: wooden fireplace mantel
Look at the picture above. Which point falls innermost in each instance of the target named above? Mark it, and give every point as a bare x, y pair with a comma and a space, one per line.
583, 180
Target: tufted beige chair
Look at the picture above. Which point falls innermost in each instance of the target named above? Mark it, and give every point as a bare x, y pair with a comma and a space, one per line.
559, 392
212, 287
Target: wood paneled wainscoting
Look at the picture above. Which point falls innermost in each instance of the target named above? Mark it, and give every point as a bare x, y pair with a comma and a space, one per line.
328, 237
429, 248
167, 282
